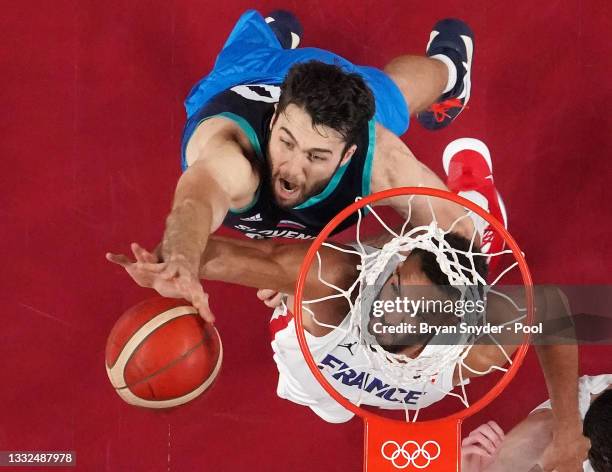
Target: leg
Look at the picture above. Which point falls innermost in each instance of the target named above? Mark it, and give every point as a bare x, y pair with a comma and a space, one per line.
437, 87
420, 79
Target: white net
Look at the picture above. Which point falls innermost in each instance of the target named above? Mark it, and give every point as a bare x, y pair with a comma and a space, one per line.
460, 268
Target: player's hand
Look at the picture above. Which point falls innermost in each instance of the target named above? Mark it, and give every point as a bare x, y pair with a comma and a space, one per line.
271, 298
170, 279
567, 451
143, 277
479, 450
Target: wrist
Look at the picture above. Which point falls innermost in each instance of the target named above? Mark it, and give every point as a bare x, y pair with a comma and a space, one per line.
176, 257
181, 259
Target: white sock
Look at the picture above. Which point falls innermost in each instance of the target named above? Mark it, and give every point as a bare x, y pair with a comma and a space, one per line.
452, 71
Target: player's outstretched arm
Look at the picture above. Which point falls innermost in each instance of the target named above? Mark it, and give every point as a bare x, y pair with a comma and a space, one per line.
224, 259
395, 166
220, 178
559, 363
266, 263
254, 264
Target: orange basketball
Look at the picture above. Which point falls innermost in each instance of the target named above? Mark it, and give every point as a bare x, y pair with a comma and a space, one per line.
161, 354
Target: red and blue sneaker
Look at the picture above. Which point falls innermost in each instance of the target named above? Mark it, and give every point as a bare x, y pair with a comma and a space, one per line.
468, 165
286, 27
454, 39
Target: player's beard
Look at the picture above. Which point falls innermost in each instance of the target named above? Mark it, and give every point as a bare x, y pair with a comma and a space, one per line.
306, 191
397, 342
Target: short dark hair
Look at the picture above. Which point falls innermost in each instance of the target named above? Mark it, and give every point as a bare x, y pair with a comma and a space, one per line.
331, 96
431, 268
597, 427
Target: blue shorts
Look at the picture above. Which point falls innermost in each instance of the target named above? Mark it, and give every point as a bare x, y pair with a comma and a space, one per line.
252, 54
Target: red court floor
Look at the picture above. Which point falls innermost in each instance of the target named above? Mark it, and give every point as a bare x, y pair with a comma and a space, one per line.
91, 96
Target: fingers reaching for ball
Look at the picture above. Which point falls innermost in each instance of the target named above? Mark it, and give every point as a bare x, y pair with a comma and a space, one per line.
171, 279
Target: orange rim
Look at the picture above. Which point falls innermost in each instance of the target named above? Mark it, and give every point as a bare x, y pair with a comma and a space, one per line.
520, 353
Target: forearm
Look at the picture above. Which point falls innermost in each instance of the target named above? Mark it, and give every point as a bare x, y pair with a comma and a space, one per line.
559, 362
272, 265
188, 228
257, 264
199, 206
560, 367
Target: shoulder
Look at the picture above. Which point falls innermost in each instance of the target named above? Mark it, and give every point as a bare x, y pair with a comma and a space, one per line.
214, 133
219, 149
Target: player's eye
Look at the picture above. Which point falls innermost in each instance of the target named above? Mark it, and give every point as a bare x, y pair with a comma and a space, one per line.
287, 144
314, 157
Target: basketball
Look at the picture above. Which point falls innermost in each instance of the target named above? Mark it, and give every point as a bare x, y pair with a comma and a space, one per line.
162, 354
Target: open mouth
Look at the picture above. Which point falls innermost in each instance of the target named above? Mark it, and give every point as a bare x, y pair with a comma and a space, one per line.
286, 189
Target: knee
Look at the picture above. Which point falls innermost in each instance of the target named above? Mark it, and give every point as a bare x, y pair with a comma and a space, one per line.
395, 67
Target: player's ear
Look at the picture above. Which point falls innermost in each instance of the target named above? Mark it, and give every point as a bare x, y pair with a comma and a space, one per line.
348, 154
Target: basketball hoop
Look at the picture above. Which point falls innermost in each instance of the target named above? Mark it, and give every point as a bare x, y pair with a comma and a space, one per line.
391, 444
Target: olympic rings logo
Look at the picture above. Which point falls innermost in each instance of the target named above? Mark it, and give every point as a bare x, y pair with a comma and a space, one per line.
410, 453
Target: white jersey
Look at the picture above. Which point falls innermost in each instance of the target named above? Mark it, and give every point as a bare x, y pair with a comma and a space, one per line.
587, 386
341, 356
